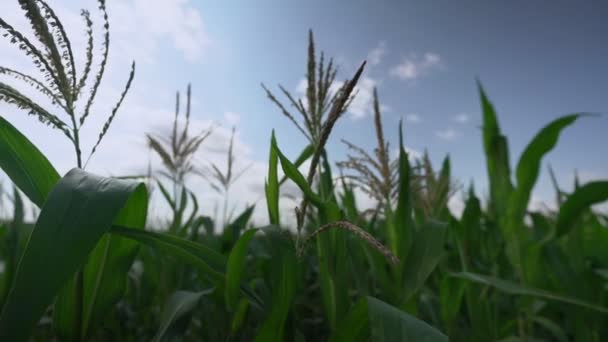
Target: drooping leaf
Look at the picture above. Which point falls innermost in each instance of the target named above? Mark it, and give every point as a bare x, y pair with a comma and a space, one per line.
517, 289
578, 202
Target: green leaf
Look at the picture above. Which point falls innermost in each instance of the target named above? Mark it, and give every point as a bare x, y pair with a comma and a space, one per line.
79, 210
427, 250
272, 185
294, 174
517, 289
176, 314
282, 268
529, 165
400, 233
387, 323
577, 203
497, 157
25, 165
304, 156
355, 326
236, 264
383, 322
451, 293
233, 231
209, 262
105, 274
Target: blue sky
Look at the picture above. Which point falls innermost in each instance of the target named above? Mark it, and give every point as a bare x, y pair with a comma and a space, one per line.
537, 60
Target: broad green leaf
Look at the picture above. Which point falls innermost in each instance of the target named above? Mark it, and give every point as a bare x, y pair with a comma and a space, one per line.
25, 165
105, 274
451, 293
272, 185
79, 210
383, 322
282, 268
577, 203
517, 289
529, 164
12, 244
497, 157
236, 264
400, 233
427, 250
176, 314
355, 326
387, 323
209, 262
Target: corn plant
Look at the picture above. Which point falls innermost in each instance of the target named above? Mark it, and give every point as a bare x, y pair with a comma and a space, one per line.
177, 151
66, 273
408, 270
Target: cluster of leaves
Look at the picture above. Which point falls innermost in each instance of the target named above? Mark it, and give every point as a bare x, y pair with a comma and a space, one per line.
411, 271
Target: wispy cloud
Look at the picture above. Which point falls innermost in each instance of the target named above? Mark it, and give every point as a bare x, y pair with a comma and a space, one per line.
412, 68
374, 57
448, 134
461, 118
412, 118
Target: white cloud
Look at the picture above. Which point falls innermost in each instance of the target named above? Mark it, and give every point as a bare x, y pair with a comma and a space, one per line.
412, 118
142, 25
232, 118
461, 118
374, 57
412, 68
362, 105
448, 134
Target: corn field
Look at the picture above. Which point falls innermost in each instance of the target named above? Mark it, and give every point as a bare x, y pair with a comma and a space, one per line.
89, 267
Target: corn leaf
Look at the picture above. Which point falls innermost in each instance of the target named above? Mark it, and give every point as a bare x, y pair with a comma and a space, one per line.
521, 290
234, 271
579, 202
80, 209
26, 166
176, 314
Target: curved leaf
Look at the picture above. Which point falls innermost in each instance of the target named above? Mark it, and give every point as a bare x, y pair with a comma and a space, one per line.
176, 314
371, 316
26, 166
528, 166
576, 204
517, 289
79, 210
